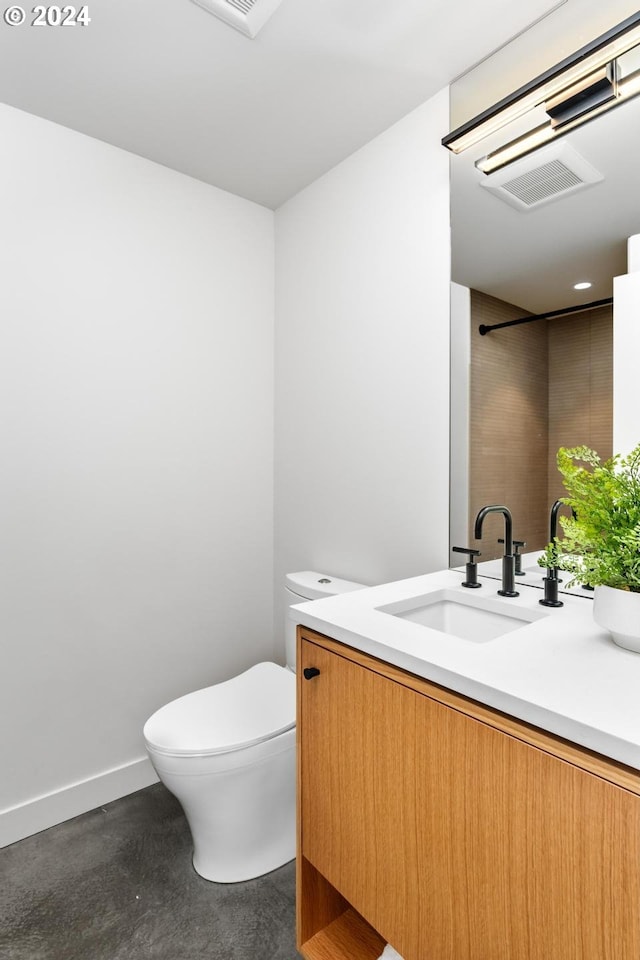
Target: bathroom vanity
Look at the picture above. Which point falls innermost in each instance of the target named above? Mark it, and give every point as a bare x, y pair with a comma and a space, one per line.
434, 814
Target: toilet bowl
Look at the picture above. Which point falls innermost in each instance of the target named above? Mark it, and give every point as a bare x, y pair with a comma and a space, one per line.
227, 753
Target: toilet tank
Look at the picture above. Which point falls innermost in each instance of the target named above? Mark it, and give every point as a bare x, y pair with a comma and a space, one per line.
303, 586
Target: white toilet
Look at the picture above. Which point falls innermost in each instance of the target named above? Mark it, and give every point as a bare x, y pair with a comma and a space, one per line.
227, 753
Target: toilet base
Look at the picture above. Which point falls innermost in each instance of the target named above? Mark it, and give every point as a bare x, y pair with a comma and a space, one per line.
253, 829
242, 818
219, 876
252, 875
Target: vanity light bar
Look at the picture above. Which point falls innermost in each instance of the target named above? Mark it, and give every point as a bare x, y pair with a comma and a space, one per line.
624, 91
516, 149
553, 83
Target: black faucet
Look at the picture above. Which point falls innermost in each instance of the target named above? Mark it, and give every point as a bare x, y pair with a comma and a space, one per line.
508, 560
551, 580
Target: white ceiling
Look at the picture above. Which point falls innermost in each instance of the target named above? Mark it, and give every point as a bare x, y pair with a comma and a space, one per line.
533, 258
261, 118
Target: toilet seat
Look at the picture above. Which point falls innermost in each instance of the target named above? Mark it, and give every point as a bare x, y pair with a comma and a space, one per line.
252, 707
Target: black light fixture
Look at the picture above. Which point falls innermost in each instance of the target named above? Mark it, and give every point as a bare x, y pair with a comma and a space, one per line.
601, 75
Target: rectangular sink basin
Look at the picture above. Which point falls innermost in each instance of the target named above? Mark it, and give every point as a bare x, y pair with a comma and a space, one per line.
468, 617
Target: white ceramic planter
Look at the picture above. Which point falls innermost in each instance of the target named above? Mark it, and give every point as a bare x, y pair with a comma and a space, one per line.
618, 611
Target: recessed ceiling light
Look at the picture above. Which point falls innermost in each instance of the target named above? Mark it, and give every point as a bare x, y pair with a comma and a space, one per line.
582, 286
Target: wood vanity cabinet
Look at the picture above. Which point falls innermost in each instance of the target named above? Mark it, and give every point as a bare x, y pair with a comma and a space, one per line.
450, 830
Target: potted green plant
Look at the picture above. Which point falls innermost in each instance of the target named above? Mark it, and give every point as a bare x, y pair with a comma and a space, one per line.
601, 542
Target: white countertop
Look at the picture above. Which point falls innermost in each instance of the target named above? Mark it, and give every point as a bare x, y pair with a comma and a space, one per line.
562, 673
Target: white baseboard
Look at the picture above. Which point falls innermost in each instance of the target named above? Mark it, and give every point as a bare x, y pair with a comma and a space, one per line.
38, 814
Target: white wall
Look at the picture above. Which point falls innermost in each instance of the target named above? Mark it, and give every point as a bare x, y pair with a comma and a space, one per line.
362, 360
626, 350
459, 419
633, 254
136, 426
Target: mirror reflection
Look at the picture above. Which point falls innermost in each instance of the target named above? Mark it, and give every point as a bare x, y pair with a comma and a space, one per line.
522, 240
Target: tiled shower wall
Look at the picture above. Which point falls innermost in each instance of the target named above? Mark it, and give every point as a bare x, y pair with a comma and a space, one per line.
508, 423
580, 387
533, 388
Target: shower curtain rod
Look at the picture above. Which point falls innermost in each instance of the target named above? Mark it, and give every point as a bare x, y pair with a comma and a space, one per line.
487, 328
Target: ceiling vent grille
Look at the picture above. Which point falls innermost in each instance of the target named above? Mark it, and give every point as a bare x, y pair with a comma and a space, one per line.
244, 6
561, 172
542, 183
247, 16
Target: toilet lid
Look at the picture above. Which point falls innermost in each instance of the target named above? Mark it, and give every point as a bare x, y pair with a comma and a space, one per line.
256, 705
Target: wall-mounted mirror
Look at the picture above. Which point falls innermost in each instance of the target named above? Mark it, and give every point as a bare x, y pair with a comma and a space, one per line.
560, 216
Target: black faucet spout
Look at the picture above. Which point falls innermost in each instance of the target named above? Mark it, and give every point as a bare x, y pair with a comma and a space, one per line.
553, 520
508, 560
508, 524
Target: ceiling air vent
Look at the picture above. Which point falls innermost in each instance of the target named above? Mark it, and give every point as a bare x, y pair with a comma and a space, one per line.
247, 16
549, 174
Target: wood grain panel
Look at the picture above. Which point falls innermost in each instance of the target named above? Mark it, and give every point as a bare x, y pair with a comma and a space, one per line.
454, 840
318, 904
618, 773
347, 938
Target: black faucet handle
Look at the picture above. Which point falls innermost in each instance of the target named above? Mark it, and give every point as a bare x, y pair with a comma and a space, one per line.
471, 566
517, 544
469, 550
517, 547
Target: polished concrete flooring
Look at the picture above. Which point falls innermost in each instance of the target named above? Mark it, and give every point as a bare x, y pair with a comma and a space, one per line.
117, 884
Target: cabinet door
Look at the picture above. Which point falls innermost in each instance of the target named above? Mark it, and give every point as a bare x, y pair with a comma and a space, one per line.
457, 841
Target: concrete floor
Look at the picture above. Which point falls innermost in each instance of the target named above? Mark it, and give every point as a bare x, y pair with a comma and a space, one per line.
117, 884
